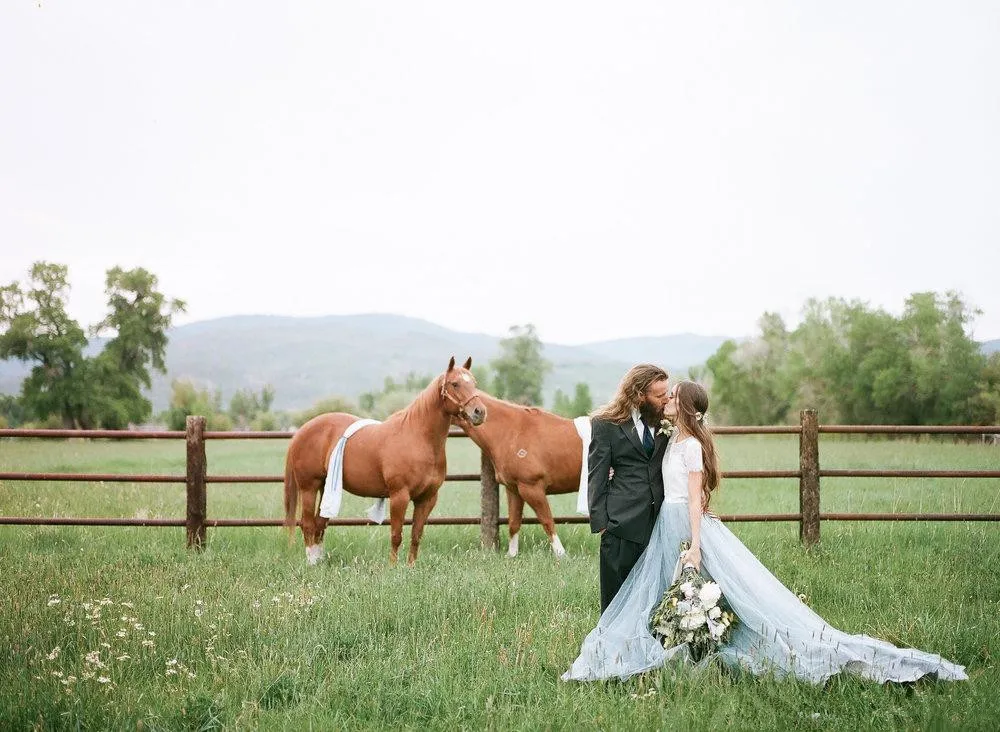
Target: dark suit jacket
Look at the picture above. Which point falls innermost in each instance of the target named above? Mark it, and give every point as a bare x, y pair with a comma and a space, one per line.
627, 504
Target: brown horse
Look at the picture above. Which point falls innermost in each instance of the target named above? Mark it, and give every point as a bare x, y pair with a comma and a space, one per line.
535, 453
402, 459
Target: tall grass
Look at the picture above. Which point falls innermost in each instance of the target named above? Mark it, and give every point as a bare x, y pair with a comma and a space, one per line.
113, 628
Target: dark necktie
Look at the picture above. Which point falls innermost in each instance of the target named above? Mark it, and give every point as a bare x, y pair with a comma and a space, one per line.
647, 438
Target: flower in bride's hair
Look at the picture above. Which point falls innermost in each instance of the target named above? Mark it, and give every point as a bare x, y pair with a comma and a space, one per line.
699, 416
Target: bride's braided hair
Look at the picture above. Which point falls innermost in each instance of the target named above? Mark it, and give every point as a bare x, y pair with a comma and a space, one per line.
692, 405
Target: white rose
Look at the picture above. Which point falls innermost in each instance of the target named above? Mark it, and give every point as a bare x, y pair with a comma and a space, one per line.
715, 613
693, 620
716, 629
709, 594
688, 589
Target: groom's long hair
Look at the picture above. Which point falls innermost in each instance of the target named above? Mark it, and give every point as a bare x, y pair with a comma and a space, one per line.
630, 393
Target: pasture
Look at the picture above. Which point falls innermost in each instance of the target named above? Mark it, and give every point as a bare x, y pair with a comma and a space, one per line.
121, 627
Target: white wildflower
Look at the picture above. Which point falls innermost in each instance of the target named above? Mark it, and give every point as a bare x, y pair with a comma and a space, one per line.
54, 654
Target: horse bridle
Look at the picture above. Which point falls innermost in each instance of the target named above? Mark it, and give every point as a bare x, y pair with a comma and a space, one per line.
453, 399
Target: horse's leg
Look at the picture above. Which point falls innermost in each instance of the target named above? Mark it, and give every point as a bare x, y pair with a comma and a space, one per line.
398, 500
422, 507
313, 525
515, 512
534, 495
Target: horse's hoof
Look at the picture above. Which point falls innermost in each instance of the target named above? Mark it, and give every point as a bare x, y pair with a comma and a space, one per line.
557, 548
314, 555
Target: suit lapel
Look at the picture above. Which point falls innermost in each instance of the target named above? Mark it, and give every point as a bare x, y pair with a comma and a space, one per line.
660, 444
633, 436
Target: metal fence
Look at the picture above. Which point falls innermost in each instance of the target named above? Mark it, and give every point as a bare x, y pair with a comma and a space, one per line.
196, 478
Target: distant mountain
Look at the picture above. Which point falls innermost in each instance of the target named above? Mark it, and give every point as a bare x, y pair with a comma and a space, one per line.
307, 359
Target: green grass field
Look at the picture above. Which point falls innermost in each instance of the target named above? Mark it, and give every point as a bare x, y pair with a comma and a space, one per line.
122, 628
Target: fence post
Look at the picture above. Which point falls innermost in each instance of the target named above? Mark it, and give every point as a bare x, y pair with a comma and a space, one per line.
809, 477
196, 468
489, 520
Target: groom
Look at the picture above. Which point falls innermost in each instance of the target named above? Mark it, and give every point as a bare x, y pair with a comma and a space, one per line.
625, 480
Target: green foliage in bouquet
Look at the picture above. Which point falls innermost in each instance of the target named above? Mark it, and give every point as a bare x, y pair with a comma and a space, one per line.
693, 611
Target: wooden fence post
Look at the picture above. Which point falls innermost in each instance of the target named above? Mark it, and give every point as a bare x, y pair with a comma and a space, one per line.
196, 494
809, 477
489, 520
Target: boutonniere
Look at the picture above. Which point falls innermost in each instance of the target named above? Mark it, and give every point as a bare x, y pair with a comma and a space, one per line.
666, 428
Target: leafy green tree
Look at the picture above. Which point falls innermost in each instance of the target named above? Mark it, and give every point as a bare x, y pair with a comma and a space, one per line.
246, 405
856, 364
11, 412
578, 406
395, 395
330, 404
37, 328
519, 372
105, 390
946, 363
986, 406
484, 380
750, 383
187, 399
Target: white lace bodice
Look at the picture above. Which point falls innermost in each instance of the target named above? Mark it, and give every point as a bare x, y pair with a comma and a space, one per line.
682, 457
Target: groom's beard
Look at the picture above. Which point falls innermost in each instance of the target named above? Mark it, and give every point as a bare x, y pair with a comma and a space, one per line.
650, 414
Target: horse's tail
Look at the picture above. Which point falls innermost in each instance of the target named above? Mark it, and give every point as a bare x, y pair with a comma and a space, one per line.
291, 497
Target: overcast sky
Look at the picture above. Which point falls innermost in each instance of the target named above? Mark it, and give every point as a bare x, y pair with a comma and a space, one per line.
601, 170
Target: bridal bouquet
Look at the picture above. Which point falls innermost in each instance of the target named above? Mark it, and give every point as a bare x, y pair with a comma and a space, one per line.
692, 611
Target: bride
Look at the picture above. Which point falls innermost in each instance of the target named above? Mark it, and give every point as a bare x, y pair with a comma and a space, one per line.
776, 632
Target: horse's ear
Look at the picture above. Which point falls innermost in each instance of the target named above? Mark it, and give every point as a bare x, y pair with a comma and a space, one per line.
468, 363
451, 364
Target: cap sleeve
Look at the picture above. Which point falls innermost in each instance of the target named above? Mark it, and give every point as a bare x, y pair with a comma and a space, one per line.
693, 461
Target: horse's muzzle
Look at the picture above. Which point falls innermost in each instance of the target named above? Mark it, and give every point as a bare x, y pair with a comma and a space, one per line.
477, 416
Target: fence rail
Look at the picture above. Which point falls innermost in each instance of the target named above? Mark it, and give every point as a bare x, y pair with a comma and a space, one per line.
196, 522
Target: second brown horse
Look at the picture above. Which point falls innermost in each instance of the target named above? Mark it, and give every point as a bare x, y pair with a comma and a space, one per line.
535, 453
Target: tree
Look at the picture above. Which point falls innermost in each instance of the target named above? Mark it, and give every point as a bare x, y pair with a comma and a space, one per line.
750, 383
519, 371
395, 395
104, 390
856, 364
11, 411
578, 406
187, 399
986, 408
246, 406
330, 404
37, 328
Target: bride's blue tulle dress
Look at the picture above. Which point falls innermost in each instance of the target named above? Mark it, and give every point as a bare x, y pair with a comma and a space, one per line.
777, 633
